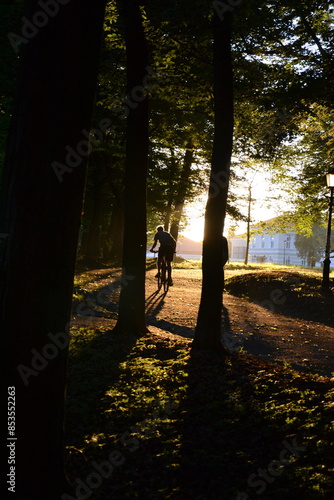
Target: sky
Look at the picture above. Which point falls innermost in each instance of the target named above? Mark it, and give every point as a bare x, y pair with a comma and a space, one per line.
262, 189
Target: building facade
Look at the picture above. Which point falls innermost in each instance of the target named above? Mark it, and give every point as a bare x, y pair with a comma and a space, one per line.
236, 249
269, 248
276, 249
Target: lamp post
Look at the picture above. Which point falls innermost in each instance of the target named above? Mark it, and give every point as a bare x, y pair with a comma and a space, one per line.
284, 247
327, 261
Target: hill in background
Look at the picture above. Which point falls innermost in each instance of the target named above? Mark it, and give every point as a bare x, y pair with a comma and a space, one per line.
187, 246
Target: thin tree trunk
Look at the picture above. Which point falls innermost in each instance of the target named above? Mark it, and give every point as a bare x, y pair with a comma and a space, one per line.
170, 190
168, 213
40, 215
248, 223
132, 298
208, 328
182, 190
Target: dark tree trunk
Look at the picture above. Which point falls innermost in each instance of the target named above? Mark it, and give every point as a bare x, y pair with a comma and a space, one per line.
168, 213
116, 223
132, 298
116, 230
41, 208
208, 328
170, 190
182, 190
93, 242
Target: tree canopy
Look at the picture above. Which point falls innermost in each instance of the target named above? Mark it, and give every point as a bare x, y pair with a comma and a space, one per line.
186, 93
283, 68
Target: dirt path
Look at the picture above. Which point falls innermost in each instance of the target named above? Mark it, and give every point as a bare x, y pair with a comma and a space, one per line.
259, 331
305, 345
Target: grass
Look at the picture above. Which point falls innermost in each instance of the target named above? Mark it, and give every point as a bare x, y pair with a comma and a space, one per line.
178, 425
181, 263
175, 425
178, 263
150, 419
296, 293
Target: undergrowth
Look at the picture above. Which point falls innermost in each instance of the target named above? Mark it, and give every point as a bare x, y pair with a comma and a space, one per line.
150, 419
296, 294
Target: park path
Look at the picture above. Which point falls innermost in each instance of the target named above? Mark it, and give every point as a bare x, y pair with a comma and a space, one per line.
305, 345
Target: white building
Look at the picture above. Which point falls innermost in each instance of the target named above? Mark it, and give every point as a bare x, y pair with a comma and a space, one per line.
237, 249
269, 248
275, 248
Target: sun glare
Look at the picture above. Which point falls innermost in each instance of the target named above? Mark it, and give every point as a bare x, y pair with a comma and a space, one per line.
262, 191
194, 230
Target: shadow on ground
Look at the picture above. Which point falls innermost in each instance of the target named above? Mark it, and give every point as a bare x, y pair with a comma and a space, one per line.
292, 294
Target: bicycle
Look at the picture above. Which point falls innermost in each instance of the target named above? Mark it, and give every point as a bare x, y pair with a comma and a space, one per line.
163, 280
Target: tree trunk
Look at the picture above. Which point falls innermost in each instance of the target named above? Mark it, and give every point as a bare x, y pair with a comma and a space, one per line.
116, 222
170, 190
248, 222
132, 298
168, 213
41, 207
93, 243
208, 328
182, 190
116, 230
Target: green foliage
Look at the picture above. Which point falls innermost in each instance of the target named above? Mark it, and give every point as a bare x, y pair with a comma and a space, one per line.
285, 49
305, 167
179, 419
283, 95
182, 421
295, 294
312, 247
10, 22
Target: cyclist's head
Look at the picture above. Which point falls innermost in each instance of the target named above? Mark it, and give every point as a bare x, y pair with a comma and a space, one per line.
160, 228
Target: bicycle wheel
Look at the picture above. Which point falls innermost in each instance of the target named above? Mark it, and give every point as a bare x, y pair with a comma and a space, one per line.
160, 280
165, 276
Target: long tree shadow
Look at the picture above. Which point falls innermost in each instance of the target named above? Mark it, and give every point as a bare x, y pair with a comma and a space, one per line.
230, 444
228, 441
94, 366
96, 355
216, 440
154, 304
102, 301
232, 342
229, 340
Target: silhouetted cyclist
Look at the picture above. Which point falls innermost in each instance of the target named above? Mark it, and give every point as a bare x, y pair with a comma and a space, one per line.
166, 249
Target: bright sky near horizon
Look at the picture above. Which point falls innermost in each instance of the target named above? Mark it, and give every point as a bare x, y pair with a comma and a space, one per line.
261, 209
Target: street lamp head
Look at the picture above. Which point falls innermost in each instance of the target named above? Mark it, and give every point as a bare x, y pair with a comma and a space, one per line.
330, 180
